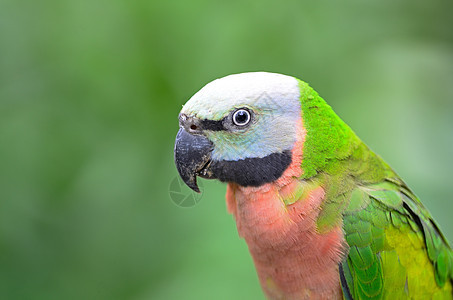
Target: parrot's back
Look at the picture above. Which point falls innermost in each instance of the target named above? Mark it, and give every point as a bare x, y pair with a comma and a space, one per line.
396, 250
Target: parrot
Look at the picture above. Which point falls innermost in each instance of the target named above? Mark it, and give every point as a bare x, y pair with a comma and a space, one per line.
323, 216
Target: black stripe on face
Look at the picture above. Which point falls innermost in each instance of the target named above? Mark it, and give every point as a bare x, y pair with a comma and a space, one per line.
251, 171
196, 126
212, 125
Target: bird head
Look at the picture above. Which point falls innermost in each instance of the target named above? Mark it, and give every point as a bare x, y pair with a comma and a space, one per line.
240, 128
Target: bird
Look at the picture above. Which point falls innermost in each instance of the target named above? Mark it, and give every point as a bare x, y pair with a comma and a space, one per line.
323, 216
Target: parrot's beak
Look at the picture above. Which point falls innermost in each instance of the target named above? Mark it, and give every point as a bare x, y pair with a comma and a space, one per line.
192, 157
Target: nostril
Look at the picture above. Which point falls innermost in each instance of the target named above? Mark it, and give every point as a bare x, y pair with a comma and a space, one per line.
193, 127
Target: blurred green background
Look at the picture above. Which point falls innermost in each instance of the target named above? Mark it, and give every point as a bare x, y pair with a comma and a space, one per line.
89, 97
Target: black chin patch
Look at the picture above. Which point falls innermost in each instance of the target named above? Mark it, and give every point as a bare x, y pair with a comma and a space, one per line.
252, 171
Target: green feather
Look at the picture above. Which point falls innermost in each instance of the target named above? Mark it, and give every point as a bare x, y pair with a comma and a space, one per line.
396, 250
324, 128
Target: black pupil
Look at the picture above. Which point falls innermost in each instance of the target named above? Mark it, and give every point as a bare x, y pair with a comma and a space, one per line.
241, 117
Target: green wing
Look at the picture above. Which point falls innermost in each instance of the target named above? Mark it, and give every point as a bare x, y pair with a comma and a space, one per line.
396, 250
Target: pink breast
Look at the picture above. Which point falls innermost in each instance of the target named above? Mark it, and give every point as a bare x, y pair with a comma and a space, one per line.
291, 258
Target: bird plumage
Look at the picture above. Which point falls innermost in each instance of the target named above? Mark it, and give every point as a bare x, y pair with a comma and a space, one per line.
323, 216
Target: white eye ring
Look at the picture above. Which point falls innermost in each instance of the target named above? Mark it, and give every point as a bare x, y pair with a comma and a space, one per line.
241, 117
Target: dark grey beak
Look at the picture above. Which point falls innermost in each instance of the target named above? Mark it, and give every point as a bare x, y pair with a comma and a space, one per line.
192, 156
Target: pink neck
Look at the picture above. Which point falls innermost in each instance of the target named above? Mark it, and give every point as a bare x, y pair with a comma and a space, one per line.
292, 260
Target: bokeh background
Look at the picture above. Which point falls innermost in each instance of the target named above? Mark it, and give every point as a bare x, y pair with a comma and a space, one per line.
89, 97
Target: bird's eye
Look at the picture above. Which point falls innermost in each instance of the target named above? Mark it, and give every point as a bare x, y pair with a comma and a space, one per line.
241, 117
